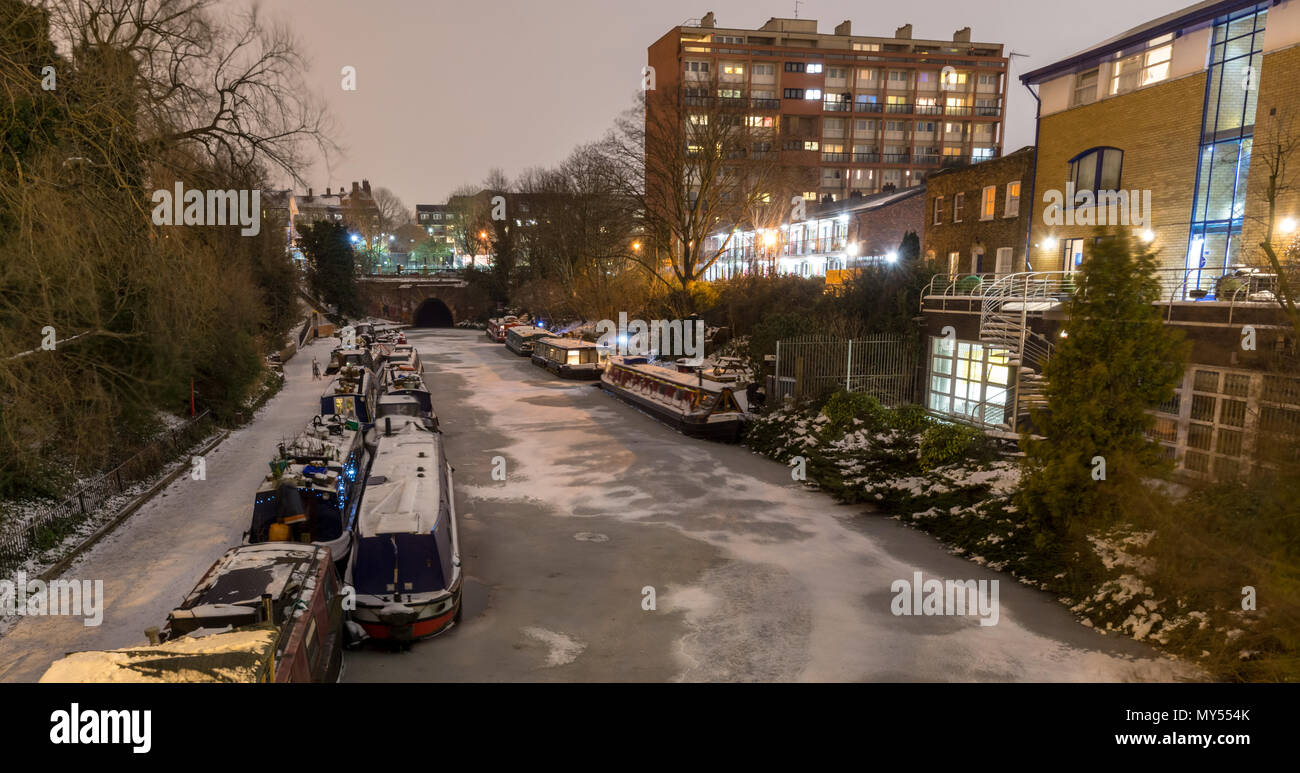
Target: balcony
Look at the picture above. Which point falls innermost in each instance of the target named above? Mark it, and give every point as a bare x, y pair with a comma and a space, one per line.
988, 112
694, 101
866, 158
765, 104
957, 110
835, 107
898, 107
929, 110
838, 158
926, 159
895, 158
733, 103
866, 107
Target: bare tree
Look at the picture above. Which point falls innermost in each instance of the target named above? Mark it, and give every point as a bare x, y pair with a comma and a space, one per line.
696, 164
1275, 146
392, 212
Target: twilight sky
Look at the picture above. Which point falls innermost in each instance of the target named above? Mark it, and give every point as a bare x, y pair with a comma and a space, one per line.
447, 91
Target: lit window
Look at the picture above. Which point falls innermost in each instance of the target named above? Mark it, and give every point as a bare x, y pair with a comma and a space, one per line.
1012, 208
988, 200
813, 94
938, 210
733, 69
814, 68
958, 203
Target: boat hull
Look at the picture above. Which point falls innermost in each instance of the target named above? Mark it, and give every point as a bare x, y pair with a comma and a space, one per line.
421, 623
567, 371
725, 431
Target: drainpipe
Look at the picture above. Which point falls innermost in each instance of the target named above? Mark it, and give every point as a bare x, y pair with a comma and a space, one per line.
1033, 176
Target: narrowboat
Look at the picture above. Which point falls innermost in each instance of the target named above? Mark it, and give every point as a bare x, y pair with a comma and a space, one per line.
314, 489
261, 613
692, 404
569, 357
405, 394
405, 566
351, 393
497, 327
404, 354
520, 339
342, 358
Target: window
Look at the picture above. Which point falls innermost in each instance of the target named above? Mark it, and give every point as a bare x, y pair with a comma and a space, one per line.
811, 145
733, 69
1097, 169
697, 66
1003, 264
954, 263
1073, 255
988, 201
898, 78
988, 80
958, 203
794, 66
699, 120
837, 73
813, 94
1085, 88
1012, 207
764, 69
969, 380
866, 74
813, 68
1143, 68
866, 46
938, 210
794, 93
759, 121
955, 79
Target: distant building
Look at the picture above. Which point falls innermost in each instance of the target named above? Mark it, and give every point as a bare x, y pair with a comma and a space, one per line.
977, 216
854, 113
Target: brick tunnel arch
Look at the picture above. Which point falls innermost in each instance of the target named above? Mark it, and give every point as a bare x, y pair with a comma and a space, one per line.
432, 312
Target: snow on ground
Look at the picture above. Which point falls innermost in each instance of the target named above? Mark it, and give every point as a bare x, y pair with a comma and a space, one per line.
153, 559
806, 593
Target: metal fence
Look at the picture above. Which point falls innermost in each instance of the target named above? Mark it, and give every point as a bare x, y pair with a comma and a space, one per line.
882, 366
52, 526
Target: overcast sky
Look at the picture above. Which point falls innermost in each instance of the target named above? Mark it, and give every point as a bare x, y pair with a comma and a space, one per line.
447, 91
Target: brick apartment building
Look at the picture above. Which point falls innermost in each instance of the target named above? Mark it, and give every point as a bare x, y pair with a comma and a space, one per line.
977, 216
1183, 109
851, 113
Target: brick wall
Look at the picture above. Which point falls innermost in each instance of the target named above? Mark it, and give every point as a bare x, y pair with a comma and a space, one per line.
1158, 128
972, 233
880, 231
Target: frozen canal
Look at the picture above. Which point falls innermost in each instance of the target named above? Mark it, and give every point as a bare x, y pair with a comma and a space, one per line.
754, 577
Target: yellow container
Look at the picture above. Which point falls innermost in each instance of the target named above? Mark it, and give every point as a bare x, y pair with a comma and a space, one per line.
279, 532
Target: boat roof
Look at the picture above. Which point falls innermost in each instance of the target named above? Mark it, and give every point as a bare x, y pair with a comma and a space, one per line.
671, 375
238, 655
569, 343
348, 382
404, 490
244, 573
528, 331
346, 352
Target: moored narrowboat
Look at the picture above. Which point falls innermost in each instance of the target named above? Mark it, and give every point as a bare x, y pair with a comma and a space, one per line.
497, 327
696, 406
261, 613
520, 338
314, 489
405, 566
351, 393
405, 394
343, 358
569, 357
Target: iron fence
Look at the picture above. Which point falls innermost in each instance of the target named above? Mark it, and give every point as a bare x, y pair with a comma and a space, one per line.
48, 529
883, 366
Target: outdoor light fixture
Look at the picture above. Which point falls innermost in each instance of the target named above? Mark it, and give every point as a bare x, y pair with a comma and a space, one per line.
1148, 236
769, 238
636, 246
852, 249
1050, 243
891, 257
1064, 334
1288, 225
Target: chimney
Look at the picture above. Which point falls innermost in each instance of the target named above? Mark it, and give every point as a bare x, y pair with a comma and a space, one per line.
904, 32
962, 35
309, 193
327, 191
843, 28
707, 21
356, 188
365, 186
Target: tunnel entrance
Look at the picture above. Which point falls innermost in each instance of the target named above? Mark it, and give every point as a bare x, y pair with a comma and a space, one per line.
433, 313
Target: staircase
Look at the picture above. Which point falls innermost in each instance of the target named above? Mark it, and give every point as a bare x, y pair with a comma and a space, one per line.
1010, 302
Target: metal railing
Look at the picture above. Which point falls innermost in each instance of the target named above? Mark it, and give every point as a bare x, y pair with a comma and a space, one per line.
54, 524
882, 366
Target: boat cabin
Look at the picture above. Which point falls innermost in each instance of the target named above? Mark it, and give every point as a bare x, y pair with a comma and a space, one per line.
520, 338
497, 327
570, 357
343, 358
404, 354
352, 392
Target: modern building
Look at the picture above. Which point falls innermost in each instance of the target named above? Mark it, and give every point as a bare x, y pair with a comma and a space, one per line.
977, 216
832, 241
1170, 130
853, 113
